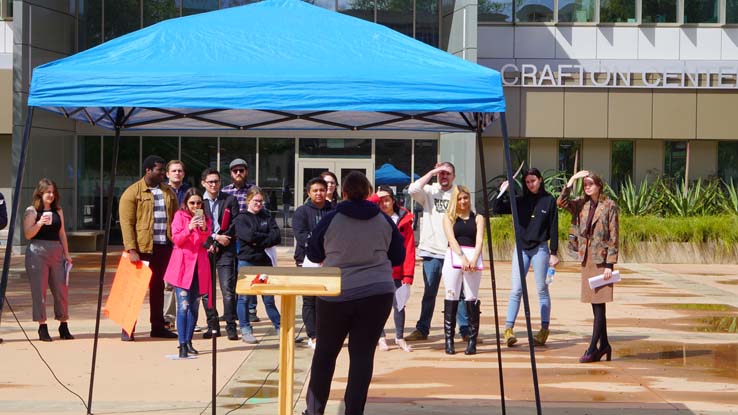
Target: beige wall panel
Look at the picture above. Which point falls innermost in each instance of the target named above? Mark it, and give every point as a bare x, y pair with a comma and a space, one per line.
6, 101
702, 159
542, 112
512, 113
585, 113
674, 114
596, 156
648, 159
716, 114
544, 153
629, 114
6, 148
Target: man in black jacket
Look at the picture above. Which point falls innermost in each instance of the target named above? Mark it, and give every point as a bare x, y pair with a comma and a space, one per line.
303, 222
222, 209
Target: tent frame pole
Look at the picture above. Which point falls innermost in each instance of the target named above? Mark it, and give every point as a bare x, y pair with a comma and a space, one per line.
519, 253
14, 208
119, 116
490, 254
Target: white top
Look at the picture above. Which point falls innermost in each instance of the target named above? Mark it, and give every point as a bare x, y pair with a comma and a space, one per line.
435, 201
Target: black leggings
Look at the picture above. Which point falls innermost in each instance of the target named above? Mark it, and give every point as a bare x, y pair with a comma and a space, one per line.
362, 321
599, 329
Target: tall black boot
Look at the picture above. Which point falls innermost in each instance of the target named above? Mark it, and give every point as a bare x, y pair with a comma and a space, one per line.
64, 331
43, 333
449, 323
472, 309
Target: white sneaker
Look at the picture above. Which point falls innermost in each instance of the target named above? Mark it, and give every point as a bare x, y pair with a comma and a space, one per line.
311, 343
248, 337
402, 344
383, 344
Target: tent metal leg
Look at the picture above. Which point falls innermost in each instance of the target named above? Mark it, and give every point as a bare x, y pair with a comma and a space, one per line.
214, 332
108, 219
490, 253
16, 204
519, 253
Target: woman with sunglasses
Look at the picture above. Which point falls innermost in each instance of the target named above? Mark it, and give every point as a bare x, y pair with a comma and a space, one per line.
189, 266
596, 227
332, 195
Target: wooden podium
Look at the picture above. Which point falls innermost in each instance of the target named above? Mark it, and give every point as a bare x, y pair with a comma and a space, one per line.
288, 283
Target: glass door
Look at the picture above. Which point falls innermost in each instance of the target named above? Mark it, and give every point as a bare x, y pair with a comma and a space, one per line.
307, 169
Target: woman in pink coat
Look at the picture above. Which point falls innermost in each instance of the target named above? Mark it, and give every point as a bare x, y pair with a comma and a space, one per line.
189, 266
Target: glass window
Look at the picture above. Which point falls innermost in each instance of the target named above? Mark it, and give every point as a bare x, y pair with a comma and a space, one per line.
426, 157
675, 159
128, 172
621, 163
576, 10
237, 148
89, 195
731, 11
363, 9
397, 15
198, 6
224, 4
518, 154
495, 11
568, 150
701, 11
426, 21
617, 11
277, 176
121, 17
154, 11
6, 9
336, 147
728, 160
164, 147
198, 154
659, 11
534, 11
392, 160
90, 24
326, 4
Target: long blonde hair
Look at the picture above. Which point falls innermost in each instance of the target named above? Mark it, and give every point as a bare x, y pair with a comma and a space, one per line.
451, 211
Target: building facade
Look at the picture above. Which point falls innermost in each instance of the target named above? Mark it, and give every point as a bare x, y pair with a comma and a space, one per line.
636, 88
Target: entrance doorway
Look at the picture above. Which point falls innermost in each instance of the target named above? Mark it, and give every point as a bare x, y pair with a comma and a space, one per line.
309, 168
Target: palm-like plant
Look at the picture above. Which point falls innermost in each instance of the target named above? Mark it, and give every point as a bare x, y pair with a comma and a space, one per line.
730, 197
697, 199
641, 200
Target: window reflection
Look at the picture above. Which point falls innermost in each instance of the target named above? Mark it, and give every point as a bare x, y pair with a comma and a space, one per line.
576, 10
535, 11
731, 11
495, 10
659, 11
90, 190
326, 4
90, 24
237, 147
156, 11
336, 147
426, 21
568, 150
121, 17
396, 14
198, 154
224, 4
392, 165
519, 153
617, 11
701, 11
675, 159
198, 6
277, 176
621, 162
728, 161
363, 9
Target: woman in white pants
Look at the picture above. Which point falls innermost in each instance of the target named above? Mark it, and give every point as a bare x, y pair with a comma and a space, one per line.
464, 230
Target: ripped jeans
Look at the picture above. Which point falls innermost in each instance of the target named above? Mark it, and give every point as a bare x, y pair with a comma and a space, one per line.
188, 304
454, 278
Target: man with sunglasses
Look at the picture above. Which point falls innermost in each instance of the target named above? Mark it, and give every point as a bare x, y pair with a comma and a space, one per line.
222, 209
239, 188
146, 210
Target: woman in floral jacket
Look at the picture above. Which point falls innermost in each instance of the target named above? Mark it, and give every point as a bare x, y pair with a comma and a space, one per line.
595, 230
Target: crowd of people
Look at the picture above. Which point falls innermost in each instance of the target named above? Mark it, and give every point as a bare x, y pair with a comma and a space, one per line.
185, 234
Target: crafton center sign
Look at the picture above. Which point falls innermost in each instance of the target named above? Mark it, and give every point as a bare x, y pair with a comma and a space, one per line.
577, 76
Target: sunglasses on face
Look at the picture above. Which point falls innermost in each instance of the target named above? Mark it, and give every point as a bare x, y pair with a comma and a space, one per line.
236, 171
194, 203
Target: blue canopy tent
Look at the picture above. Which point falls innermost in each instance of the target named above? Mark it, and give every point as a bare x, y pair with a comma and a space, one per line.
274, 65
389, 174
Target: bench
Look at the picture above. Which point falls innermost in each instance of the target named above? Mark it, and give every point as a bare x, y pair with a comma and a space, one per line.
85, 241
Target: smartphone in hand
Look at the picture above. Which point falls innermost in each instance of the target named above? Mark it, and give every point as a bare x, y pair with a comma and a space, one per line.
199, 213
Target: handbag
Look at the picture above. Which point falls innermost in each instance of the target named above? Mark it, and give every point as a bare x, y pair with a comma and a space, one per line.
468, 251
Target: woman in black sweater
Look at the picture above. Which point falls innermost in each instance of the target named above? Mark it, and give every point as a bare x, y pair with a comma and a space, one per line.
539, 223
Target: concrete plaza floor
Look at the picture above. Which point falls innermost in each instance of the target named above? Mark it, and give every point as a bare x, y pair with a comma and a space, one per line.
669, 328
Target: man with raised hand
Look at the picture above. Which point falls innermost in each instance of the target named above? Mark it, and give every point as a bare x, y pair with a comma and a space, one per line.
434, 199
222, 209
147, 208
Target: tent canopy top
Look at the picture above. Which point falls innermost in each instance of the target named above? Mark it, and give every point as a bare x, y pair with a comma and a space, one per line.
277, 64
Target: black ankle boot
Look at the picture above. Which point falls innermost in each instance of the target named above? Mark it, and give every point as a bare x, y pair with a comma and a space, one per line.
191, 350
43, 333
472, 309
64, 331
183, 350
449, 323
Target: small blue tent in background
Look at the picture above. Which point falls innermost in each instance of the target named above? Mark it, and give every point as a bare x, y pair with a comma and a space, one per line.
391, 175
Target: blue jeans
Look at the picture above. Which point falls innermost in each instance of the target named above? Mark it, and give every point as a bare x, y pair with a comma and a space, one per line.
538, 257
188, 303
432, 278
242, 306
